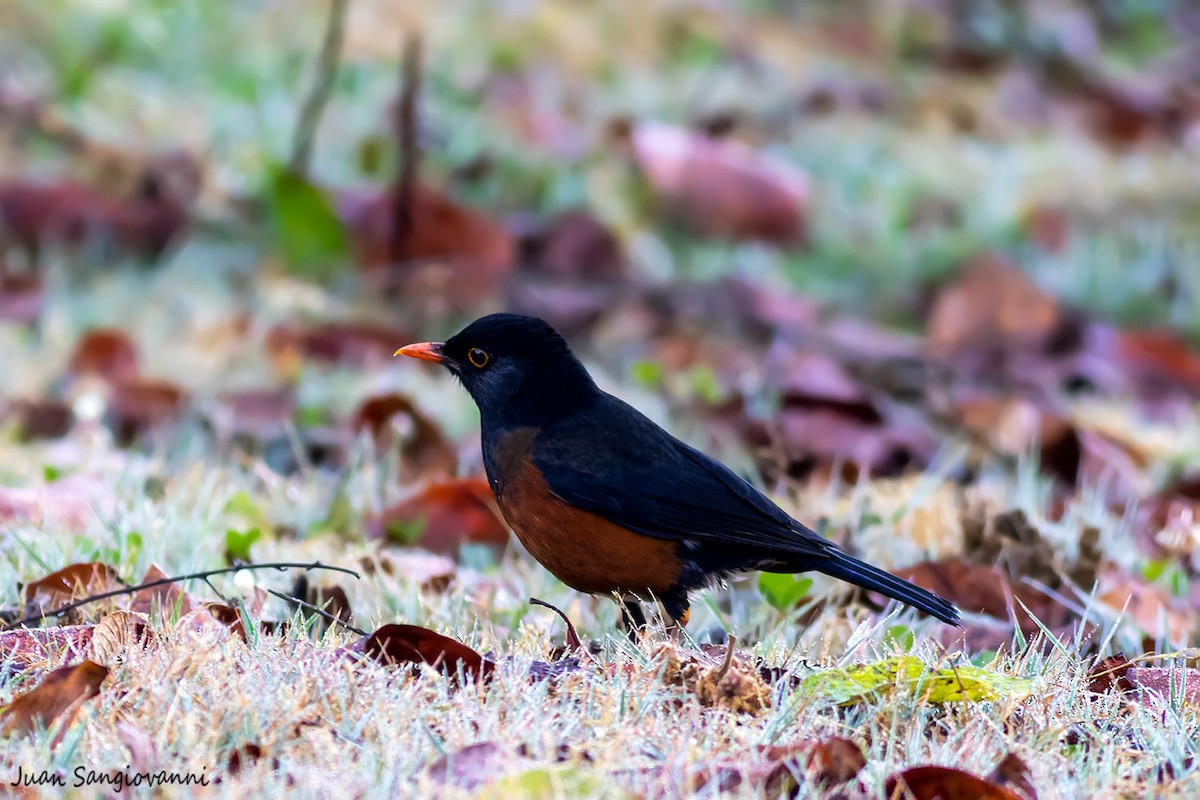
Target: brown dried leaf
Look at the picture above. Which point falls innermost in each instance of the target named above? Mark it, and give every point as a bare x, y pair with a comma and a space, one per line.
453, 257
721, 187
115, 634
944, 783
834, 760
989, 304
164, 599
43, 419
138, 405
1111, 673
73, 214
58, 692
450, 514
142, 752
1012, 771
573, 246
107, 353
361, 344
425, 452
978, 588
1146, 605
394, 644
68, 584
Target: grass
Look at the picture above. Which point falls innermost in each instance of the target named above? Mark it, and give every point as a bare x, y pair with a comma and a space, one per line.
227, 78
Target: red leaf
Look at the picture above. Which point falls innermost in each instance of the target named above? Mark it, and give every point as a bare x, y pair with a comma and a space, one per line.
721, 187
107, 353
412, 644
453, 513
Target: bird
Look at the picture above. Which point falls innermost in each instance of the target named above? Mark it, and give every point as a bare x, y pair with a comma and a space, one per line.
610, 502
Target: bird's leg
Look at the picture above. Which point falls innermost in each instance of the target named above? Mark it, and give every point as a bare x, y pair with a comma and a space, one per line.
679, 611
633, 618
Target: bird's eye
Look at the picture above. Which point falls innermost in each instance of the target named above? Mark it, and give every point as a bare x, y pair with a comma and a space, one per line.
478, 357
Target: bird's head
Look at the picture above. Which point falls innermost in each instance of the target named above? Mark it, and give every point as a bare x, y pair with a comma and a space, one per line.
518, 369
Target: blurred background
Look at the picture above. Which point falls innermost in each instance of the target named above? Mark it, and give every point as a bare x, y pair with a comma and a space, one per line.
928, 242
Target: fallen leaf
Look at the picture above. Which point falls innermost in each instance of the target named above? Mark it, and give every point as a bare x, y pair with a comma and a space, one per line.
115, 634
552, 783
990, 304
573, 246
1111, 673
443, 516
1146, 605
21, 296
71, 502
944, 783
474, 766
59, 691
137, 406
848, 685
142, 752
243, 756
1160, 361
828, 762
30, 648
1012, 771
393, 644
453, 258
1165, 684
978, 588
106, 353
720, 187
425, 452
360, 344
43, 419
166, 599
75, 215
69, 584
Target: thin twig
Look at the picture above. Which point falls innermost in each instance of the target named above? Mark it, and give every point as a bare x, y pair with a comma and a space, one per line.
319, 611
732, 642
164, 581
318, 96
408, 150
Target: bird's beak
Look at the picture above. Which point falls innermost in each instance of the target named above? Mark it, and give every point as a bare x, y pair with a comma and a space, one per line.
426, 351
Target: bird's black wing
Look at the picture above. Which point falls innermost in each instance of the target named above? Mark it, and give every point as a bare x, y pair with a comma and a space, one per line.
638, 476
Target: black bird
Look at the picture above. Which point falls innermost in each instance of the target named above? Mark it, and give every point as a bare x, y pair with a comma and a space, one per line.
610, 502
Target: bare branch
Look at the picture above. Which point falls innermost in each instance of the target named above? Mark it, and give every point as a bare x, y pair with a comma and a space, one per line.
319, 611
164, 581
314, 105
408, 150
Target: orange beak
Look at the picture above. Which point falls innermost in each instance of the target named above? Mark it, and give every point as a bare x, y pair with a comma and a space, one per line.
426, 351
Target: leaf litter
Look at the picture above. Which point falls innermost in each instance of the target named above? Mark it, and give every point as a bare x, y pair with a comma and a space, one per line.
1025, 446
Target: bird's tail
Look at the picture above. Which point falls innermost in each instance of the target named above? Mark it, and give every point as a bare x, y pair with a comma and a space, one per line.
848, 568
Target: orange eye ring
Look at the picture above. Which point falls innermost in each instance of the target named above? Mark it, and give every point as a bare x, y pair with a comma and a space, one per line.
478, 358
